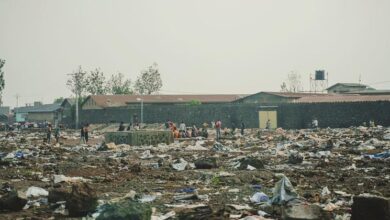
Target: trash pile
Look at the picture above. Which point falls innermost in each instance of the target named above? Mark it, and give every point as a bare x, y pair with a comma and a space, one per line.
283, 174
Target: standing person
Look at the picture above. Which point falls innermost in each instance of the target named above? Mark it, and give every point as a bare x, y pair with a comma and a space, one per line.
86, 131
57, 133
268, 125
182, 127
48, 133
233, 128
242, 128
167, 124
218, 126
121, 126
82, 135
129, 127
315, 123
194, 131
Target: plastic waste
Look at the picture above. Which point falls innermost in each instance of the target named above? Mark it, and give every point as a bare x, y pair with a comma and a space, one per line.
259, 197
165, 216
383, 155
146, 155
186, 190
325, 191
10, 156
181, 165
250, 167
19, 155
256, 187
196, 148
34, 191
283, 191
147, 198
62, 178
220, 147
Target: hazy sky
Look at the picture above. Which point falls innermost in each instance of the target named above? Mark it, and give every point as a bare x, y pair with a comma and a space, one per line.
201, 46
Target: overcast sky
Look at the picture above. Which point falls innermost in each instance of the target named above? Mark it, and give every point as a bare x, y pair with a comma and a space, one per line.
200, 46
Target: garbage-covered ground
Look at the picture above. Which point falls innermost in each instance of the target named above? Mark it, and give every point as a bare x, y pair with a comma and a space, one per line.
281, 174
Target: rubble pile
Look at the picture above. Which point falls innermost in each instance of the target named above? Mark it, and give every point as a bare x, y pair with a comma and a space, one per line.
283, 174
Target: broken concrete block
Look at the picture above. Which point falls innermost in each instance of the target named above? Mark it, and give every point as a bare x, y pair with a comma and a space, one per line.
370, 207
12, 202
139, 138
295, 158
82, 200
206, 163
125, 210
58, 194
252, 161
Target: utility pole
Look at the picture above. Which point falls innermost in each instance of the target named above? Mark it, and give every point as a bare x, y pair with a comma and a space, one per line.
77, 111
77, 102
17, 96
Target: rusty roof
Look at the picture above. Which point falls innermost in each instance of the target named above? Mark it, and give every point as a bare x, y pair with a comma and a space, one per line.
342, 98
123, 100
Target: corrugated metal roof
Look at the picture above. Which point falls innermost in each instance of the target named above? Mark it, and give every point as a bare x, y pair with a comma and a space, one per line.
295, 94
350, 85
370, 92
343, 98
42, 108
123, 100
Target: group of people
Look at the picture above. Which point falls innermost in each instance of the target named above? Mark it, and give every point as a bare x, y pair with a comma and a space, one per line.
129, 127
49, 131
185, 132
84, 134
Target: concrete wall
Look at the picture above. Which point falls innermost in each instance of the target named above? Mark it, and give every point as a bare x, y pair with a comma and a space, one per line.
41, 116
333, 114
290, 115
159, 113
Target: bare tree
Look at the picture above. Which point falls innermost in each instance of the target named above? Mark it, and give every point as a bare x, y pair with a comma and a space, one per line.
118, 85
78, 82
149, 81
283, 87
294, 83
96, 83
2, 82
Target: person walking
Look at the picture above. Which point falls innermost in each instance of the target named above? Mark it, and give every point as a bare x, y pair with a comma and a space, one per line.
82, 135
48, 133
57, 133
86, 132
242, 128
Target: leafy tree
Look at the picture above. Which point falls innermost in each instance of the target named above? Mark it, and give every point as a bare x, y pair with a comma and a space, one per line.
78, 82
96, 83
195, 102
2, 82
149, 81
118, 85
58, 100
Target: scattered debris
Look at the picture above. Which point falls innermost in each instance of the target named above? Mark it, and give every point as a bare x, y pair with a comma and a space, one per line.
324, 173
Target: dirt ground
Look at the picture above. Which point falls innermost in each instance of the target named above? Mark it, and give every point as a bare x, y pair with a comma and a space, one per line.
332, 158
